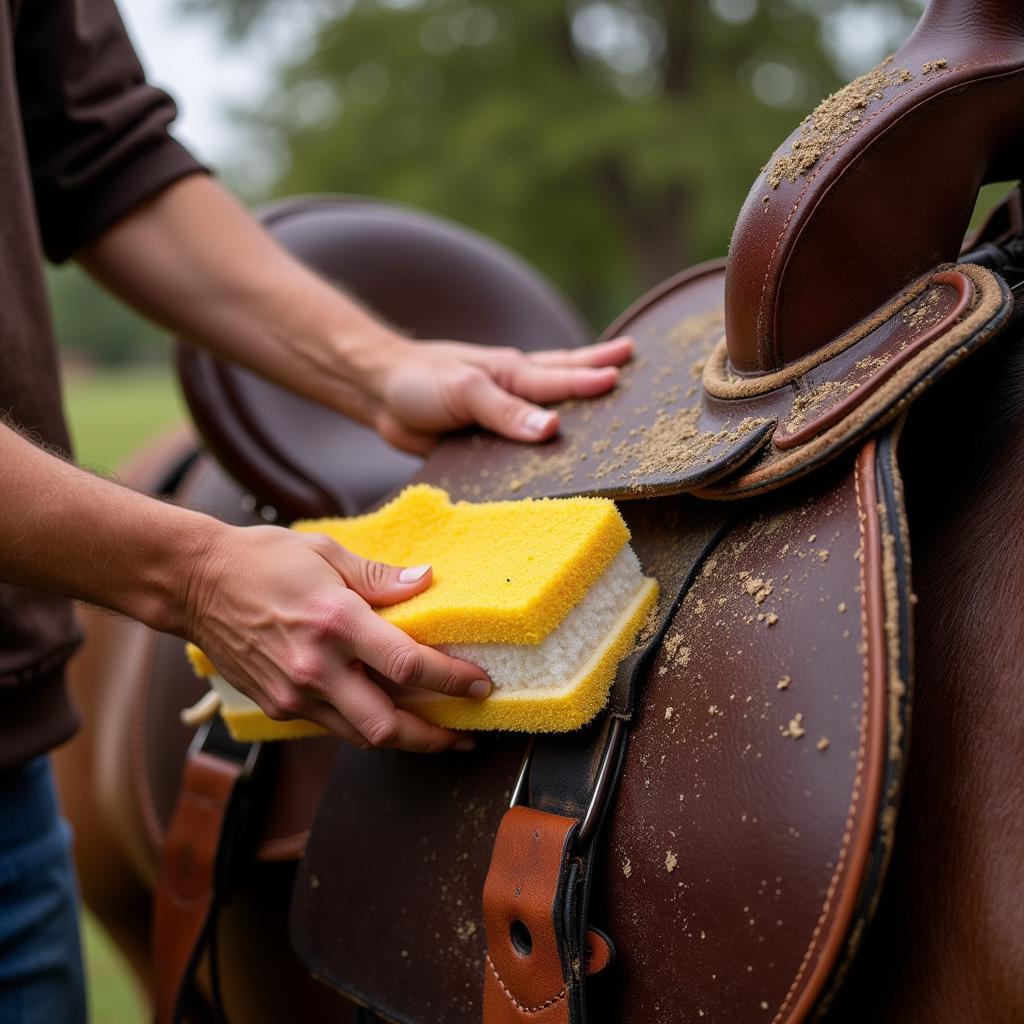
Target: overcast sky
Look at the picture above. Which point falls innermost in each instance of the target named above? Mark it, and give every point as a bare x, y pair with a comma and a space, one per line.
187, 57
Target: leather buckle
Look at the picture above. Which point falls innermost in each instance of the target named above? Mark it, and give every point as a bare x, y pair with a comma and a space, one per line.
212, 737
602, 780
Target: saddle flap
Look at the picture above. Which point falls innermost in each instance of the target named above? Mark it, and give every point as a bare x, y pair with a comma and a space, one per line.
684, 420
755, 803
651, 436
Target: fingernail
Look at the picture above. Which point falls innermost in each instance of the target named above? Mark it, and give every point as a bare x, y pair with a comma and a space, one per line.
465, 745
479, 689
537, 422
413, 574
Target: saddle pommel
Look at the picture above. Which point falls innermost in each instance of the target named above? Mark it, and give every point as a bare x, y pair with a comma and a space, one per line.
877, 185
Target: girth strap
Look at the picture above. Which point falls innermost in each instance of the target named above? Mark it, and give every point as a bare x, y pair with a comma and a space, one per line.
541, 869
210, 839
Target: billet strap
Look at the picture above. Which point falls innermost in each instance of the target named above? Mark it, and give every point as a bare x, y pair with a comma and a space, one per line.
534, 964
524, 896
541, 945
209, 842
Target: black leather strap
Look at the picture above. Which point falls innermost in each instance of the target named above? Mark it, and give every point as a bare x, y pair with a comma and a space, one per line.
576, 775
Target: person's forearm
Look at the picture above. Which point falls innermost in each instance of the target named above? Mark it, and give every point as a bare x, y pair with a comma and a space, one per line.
65, 531
196, 261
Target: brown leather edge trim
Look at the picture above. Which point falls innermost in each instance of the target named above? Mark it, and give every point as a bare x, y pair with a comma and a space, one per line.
885, 404
865, 798
721, 381
900, 688
965, 296
705, 269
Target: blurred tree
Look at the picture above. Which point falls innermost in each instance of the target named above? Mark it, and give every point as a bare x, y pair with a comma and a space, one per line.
610, 142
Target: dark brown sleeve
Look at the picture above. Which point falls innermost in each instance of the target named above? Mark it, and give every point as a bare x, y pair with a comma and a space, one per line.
96, 132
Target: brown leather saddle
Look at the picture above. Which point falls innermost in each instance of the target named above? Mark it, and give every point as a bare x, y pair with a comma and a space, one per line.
711, 847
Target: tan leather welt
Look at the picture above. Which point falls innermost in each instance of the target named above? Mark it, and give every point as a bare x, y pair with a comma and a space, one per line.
721, 382
964, 288
841, 899
884, 404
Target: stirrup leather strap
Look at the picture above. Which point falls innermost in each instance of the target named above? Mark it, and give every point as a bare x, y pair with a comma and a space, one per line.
210, 839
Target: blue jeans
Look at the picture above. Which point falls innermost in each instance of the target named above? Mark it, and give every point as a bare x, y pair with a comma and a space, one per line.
41, 977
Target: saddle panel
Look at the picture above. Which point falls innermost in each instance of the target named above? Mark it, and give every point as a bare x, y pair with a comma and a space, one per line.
728, 819
759, 792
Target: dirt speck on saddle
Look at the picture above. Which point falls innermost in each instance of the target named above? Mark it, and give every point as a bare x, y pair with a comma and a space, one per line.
922, 312
702, 328
675, 655
833, 120
671, 860
826, 393
672, 444
795, 729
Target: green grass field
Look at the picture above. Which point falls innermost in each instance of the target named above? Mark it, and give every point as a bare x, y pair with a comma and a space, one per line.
111, 414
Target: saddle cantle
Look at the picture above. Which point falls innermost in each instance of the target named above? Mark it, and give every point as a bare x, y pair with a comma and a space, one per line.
425, 275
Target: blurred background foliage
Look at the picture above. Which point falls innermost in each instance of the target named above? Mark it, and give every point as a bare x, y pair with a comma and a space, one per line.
610, 143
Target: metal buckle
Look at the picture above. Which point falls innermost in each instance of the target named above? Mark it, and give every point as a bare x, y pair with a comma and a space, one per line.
213, 738
601, 782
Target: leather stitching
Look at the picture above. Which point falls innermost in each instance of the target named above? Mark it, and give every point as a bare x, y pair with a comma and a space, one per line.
821, 166
289, 845
515, 1002
858, 777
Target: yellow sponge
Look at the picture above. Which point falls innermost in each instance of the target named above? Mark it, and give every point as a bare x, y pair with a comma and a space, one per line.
504, 571
544, 594
558, 708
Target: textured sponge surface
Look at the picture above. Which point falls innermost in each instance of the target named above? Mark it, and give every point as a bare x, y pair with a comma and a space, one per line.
504, 571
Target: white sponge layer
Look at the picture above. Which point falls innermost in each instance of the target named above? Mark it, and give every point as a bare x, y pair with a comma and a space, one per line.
565, 650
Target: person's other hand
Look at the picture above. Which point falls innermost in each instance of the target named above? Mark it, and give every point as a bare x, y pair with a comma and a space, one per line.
434, 387
286, 619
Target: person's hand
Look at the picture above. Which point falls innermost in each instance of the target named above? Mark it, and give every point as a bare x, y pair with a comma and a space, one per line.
430, 388
286, 619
